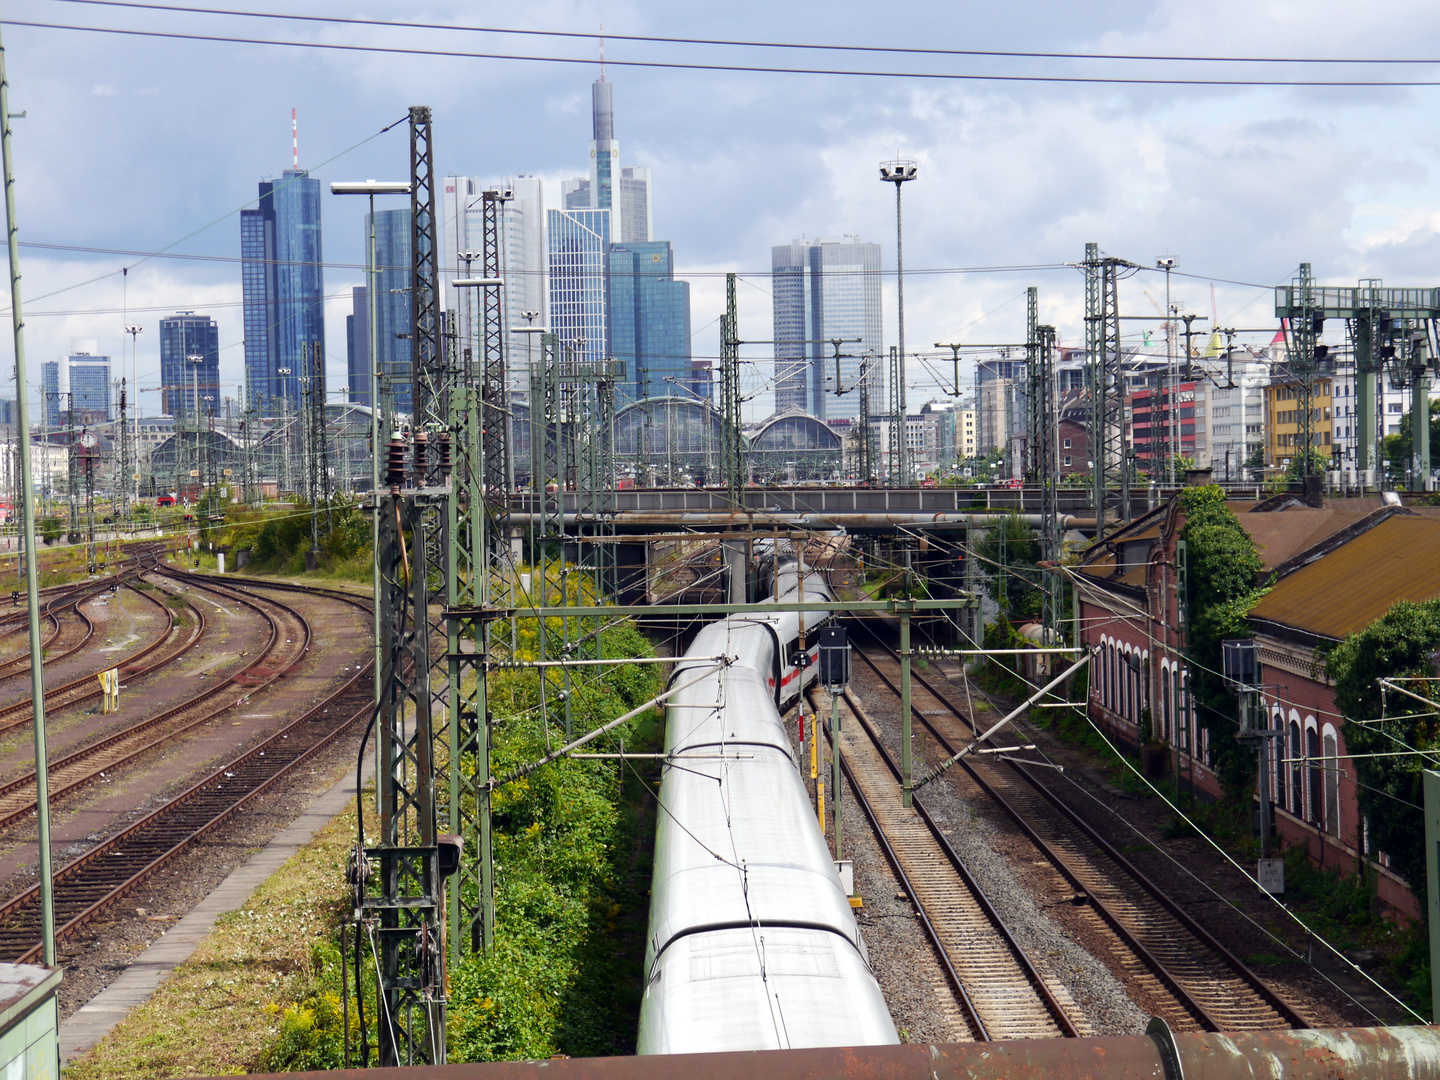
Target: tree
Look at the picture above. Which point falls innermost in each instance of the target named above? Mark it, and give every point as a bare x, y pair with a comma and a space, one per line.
1255, 463
1222, 569
1011, 549
1398, 644
1398, 447
1296, 470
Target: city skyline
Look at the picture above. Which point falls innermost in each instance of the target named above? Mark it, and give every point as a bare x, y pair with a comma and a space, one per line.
749, 161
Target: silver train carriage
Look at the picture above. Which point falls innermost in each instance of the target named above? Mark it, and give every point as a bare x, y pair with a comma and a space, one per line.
752, 943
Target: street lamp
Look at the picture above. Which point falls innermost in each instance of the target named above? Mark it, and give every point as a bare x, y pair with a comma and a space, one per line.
371, 188
899, 172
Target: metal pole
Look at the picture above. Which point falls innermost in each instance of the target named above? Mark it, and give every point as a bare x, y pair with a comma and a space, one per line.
374, 447
906, 775
27, 525
901, 410
835, 769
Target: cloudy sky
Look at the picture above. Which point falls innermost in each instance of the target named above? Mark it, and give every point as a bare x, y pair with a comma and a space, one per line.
139, 144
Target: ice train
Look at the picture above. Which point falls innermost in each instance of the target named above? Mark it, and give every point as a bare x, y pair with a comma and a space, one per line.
752, 943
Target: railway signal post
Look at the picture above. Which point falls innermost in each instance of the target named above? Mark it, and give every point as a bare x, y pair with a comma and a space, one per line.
834, 675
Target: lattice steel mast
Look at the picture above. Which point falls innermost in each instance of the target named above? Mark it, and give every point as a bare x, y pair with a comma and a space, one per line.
1105, 378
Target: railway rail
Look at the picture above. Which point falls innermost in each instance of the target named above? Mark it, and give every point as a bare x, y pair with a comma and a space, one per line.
1157, 942
98, 879
84, 688
1000, 992
96, 760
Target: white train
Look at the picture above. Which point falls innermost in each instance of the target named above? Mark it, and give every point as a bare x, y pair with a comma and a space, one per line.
753, 944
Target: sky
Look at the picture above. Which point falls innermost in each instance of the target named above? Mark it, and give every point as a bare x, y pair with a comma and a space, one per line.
137, 144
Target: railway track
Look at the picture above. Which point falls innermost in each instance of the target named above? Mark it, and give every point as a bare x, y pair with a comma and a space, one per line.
288, 643
102, 876
998, 989
1156, 942
84, 688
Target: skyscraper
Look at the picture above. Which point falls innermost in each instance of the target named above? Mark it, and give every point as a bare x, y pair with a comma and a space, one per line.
826, 289
52, 393
394, 315
522, 258
283, 287
89, 384
579, 242
186, 384
649, 322
635, 217
76, 389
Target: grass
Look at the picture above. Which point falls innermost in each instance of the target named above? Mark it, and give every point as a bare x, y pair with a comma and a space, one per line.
220, 1011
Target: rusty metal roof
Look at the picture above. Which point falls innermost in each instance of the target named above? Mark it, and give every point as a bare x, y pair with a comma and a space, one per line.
1281, 535
1353, 585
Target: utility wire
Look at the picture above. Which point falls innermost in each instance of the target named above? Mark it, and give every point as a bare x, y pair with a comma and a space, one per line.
732, 43
588, 61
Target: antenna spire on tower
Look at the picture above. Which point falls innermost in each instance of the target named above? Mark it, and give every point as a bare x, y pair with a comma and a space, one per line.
295, 138
602, 52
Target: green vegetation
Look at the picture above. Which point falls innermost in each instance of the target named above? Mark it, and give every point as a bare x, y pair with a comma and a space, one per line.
1010, 550
1398, 644
1222, 566
571, 851
1399, 447
278, 542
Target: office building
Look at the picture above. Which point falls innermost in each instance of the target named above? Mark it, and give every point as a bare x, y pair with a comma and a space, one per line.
523, 265
52, 402
189, 365
827, 289
649, 322
579, 244
357, 347
394, 316
608, 179
89, 384
283, 288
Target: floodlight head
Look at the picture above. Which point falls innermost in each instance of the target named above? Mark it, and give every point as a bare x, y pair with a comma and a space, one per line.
499, 194
899, 171
478, 282
370, 187
1165, 262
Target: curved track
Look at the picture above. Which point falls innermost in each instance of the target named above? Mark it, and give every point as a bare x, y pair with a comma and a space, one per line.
93, 762
1156, 941
99, 878
20, 714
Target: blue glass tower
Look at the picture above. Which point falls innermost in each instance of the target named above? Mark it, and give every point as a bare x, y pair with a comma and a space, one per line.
182, 380
283, 285
89, 388
579, 242
394, 316
649, 321
50, 393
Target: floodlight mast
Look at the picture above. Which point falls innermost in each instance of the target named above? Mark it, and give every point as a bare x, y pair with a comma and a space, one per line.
373, 188
899, 172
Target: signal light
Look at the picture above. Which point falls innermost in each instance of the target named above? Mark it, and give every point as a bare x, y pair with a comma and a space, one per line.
1317, 323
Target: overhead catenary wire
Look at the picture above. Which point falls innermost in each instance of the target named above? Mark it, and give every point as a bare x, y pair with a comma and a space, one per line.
751, 69
755, 44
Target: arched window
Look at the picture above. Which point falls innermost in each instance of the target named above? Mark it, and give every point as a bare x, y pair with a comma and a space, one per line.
1164, 702
1316, 778
1297, 778
1332, 782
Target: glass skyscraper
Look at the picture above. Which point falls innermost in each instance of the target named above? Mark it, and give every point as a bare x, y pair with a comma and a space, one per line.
283, 285
52, 401
89, 388
186, 385
579, 243
522, 260
394, 315
624, 190
826, 289
649, 321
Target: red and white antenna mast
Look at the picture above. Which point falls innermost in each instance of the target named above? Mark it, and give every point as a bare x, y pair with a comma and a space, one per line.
295, 139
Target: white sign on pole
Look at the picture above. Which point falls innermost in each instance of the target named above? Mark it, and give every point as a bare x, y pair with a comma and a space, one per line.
1271, 875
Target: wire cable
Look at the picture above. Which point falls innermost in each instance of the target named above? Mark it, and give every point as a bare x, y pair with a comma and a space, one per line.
749, 69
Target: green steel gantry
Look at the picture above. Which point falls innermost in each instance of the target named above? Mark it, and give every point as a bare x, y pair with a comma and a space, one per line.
1392, 330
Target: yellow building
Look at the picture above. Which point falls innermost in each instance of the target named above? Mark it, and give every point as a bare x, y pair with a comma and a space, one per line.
1283, 420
